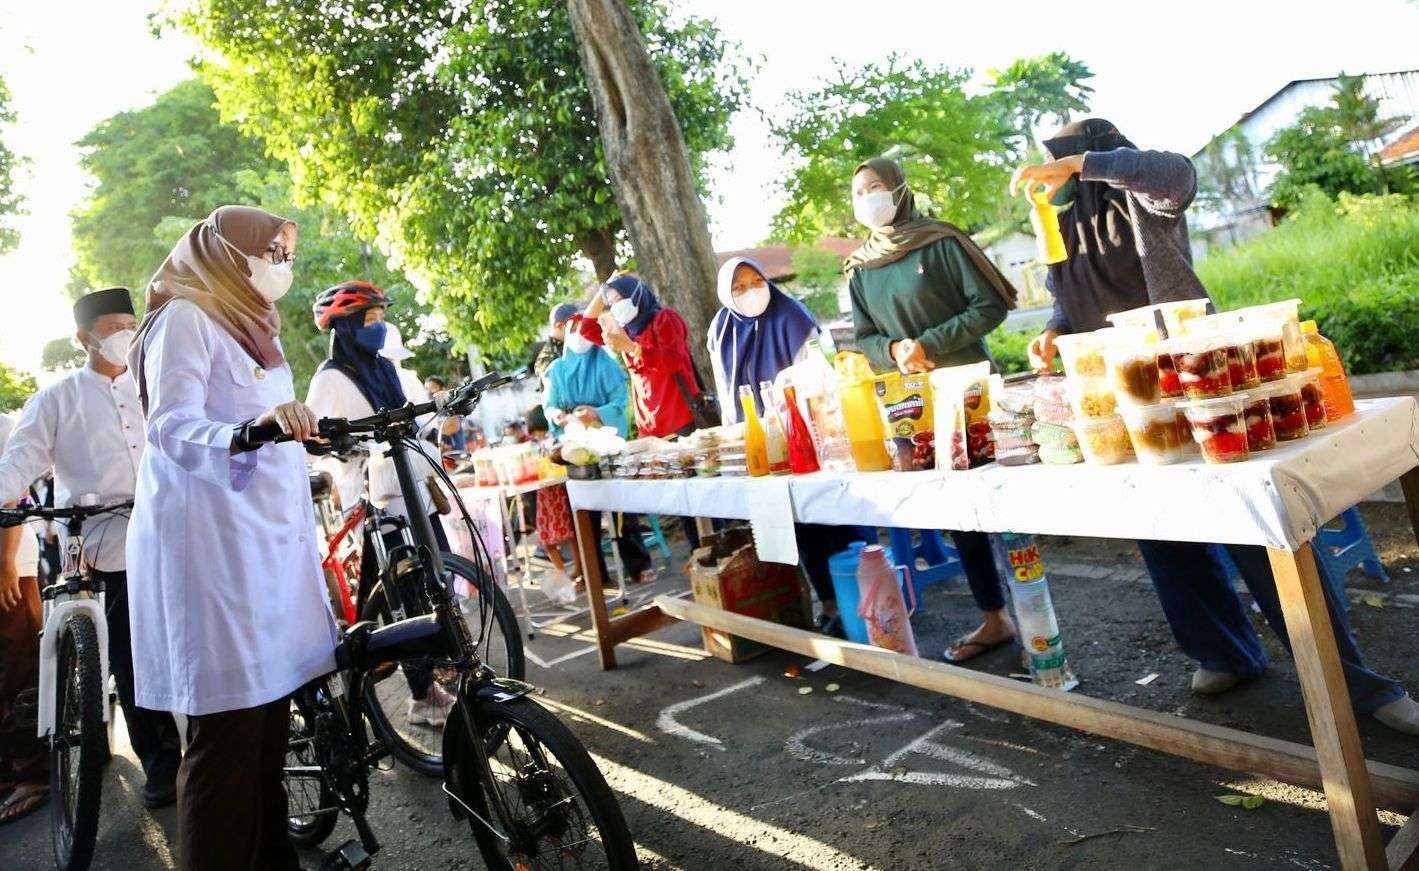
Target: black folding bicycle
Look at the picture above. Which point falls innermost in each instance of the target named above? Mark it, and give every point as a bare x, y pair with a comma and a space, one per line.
530, 792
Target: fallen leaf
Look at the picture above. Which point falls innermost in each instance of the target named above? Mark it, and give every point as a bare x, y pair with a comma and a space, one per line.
1230, 800
1246, 802
803, 691
900, 771
619, 610
832, 687
1252, 802
1373, 600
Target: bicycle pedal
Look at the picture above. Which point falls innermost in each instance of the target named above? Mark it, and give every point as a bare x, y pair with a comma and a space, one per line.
349, 856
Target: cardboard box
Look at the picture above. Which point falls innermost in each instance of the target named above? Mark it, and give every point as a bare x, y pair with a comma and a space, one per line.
726, 573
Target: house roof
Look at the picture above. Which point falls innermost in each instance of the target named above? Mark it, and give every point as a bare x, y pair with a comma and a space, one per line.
777, 260
1406, 146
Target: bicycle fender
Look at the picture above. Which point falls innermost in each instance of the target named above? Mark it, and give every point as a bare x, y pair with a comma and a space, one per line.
503, 689
455, 741
49, 657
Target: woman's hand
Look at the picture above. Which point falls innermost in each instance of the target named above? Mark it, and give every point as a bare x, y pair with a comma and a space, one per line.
9, 585
615, 335
586, 416
1041, 351
294, 418
556, 415
1052, 176
910, 357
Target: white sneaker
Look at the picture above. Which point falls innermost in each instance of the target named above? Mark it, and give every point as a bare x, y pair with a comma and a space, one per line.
432, 711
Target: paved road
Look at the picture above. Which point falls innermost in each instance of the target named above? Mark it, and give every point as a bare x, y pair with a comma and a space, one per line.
729, 767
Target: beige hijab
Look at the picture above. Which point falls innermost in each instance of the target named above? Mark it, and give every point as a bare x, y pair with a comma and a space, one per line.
910, 231
204, 271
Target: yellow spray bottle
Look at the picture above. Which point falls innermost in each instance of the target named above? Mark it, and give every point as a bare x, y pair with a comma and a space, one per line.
1044, 218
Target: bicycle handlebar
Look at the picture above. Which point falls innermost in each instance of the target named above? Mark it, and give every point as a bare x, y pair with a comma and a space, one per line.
16, 516
459, 400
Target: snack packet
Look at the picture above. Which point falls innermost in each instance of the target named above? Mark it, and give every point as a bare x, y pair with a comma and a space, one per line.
906, 405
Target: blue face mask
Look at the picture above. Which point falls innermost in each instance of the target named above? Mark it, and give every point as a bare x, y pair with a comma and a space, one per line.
371, 338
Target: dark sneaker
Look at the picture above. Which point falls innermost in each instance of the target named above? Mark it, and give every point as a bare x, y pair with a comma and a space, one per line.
160, 791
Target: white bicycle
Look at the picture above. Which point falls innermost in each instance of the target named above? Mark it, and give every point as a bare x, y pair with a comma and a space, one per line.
74, 706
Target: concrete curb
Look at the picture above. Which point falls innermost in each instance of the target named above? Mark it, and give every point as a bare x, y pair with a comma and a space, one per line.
1386, 383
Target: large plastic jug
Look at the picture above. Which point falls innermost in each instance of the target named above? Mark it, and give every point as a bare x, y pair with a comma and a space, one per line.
865, 432
1334, 385
1044, 218
881, 605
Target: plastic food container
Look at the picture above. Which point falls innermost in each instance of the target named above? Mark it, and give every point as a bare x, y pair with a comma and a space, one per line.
1312, 398
1284, 318
1104, 441
1202, 367
1241, 364
1153, 430
1186, 443
1092, 397
1175, 316
1083, 353
1218, 428
1168, 383
1269, 351
1288, 410
1133, 372
1256, 409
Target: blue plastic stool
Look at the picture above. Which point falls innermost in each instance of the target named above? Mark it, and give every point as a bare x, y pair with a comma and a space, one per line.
655, 537
1223, 562
942, 561
1348, 546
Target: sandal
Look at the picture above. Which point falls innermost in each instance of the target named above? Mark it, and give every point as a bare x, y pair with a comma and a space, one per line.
964, 649
23, 801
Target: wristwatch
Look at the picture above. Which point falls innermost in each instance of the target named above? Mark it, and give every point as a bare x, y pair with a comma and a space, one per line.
240, 443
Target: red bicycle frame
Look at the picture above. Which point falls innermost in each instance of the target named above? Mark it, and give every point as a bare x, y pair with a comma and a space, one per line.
340, 571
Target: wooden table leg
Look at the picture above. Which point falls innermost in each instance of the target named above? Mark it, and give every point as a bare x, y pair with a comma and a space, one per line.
589, 546
1333, 732
1409, 483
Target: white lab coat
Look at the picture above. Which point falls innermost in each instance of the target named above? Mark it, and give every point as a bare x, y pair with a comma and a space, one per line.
227, 601
333, 394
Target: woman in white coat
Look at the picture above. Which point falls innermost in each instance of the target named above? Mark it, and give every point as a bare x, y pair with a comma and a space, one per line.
229, 609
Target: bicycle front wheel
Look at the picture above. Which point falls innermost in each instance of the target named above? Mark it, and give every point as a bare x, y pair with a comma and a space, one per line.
78, 745
402, 700
542, 803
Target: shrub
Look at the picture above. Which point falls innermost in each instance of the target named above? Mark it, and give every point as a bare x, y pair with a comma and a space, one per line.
1010, 350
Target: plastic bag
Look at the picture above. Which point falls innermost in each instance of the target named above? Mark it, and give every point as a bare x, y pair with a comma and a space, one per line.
558, 587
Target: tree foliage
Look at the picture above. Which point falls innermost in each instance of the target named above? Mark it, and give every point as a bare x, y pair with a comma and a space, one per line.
818, 274
15, 387
11, 203
161, 168
462, 138
61, 354
957, 146
1227, 172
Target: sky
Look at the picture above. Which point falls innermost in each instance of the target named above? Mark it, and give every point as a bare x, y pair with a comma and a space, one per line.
1170, 76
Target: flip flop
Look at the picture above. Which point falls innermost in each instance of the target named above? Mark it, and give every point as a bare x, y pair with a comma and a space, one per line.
23, 801
958, 651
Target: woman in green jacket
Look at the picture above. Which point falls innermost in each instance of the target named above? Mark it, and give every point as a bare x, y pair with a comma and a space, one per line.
924, 295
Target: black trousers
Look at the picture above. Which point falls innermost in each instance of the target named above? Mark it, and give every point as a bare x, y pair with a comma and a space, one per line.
231, 800
153, 734
629, 543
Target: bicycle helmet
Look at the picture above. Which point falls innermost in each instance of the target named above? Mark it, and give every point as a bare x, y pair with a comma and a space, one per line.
346, 298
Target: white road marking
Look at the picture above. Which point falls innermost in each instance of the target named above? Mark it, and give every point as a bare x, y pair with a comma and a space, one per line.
1034, 815
796, 745
995, 776
667, 723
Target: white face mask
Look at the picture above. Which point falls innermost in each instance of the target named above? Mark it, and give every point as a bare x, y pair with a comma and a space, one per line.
753, 302
577, 343
114, 347
875, 210
271, 280
624, 311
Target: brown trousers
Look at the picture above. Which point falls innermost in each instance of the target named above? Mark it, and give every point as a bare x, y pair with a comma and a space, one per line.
23, 757
230, 796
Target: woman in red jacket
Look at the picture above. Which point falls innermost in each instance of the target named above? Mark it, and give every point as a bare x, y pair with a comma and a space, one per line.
654, 345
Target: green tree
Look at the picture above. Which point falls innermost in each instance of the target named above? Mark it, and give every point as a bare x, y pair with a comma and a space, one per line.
464, 138
1226, 172
951, 143
15, 387
1315, 151
140, 206
1033, 89
61, 354
817, 275
10, 202
173, 158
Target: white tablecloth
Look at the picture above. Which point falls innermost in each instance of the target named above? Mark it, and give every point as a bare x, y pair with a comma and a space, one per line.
1278, 499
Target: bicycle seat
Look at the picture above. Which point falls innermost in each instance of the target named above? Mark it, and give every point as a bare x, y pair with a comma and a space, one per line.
365, 646
320, 485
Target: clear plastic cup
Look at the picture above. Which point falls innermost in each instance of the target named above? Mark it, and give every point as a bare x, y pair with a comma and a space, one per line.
1218, 428
1285, 318
1092, 398
1201, 363
1104, 441
1175, 316
1312, 398
1256, 410
1241, 355
1288, 409
1183, 426
1153, 431
1133, 371
1269, 351
1083, 353
1168, 383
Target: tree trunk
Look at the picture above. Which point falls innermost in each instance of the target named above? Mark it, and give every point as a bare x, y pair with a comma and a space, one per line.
599, 246
649, 167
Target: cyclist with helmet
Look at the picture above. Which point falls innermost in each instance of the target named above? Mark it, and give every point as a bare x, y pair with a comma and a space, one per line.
357, 380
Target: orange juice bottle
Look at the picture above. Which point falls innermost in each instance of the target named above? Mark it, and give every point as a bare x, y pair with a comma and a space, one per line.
1334, 386
755, 446
1044, 219
775, 442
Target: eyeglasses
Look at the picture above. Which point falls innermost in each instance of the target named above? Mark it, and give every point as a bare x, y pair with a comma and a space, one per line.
279, 255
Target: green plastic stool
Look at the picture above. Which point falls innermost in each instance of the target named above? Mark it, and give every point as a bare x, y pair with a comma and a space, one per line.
655, 538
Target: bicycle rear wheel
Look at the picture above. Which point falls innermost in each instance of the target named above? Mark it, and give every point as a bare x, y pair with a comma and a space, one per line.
555, 808
311, 813
77, 746
412, 735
